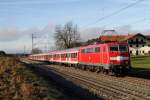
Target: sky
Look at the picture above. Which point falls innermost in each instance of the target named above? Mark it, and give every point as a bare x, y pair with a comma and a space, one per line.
21, 18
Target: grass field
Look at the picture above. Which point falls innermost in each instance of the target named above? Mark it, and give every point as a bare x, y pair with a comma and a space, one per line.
141, 66
140, 62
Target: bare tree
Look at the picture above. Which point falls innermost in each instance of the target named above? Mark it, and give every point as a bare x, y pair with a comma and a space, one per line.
67, 36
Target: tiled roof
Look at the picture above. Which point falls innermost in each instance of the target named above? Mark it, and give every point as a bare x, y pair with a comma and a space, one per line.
118, 38
112, 38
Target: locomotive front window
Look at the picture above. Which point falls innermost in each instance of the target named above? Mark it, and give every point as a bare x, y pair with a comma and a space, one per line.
89, 50
114, 48
83, 51
97, 49
123, 48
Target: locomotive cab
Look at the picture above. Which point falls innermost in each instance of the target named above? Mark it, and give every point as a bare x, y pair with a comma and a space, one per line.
119, 58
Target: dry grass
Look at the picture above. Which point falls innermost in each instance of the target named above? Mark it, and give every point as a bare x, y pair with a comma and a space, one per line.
19, 83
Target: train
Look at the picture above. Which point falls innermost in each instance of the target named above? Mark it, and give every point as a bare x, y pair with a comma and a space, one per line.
109, 58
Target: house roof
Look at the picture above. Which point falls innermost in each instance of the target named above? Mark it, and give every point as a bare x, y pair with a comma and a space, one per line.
120, 38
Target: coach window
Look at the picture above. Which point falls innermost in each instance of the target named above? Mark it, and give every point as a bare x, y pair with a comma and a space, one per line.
57, 56
74, 55
97, 49
61, 55
123, 48
53, 56
114, 48
45, 57
68, 55
71, 55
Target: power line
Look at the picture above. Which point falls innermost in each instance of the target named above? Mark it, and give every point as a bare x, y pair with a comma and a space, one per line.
138, 21
116, 12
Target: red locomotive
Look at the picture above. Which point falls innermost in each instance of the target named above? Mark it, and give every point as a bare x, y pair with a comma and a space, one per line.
108, 57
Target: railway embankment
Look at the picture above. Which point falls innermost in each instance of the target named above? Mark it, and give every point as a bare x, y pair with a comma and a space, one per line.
19, 82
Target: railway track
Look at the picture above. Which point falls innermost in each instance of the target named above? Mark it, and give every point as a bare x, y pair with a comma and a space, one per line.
108, 87
105, 88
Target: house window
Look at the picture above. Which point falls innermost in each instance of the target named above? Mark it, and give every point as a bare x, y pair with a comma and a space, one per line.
149, 45
143, 45
148, 51
130, 45
136, 39
143, 51
137, 45
141, 40
130, 52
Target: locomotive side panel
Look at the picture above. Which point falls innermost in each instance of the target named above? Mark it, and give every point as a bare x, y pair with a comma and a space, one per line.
90, 55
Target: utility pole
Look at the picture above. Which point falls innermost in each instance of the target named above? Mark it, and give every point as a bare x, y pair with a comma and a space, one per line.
34, 36
32, 41
24, 50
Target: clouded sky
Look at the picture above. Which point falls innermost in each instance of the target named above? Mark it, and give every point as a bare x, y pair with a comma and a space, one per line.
20, 18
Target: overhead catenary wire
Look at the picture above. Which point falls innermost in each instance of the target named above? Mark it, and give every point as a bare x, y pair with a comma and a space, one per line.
115, 12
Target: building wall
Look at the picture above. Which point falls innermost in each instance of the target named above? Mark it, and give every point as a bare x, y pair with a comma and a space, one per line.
139, 45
